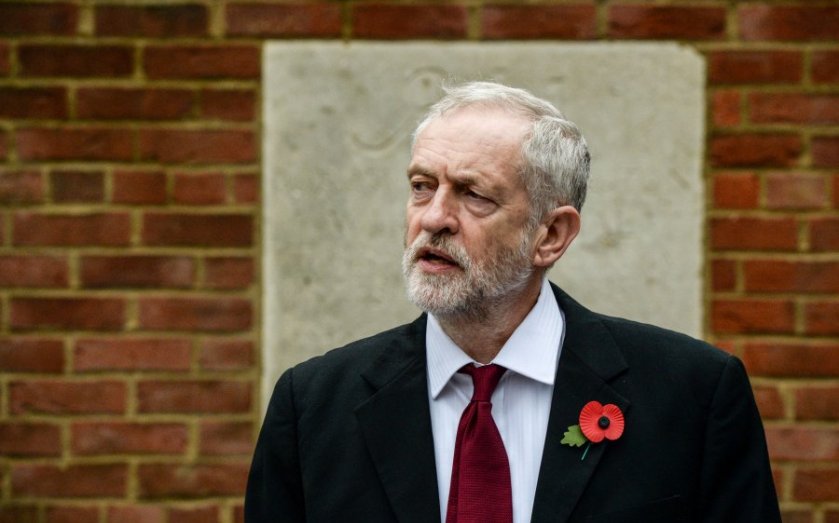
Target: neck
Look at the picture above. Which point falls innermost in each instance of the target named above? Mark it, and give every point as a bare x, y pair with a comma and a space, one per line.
482, 334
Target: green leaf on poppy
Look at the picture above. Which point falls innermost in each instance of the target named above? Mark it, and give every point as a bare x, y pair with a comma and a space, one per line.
574, 437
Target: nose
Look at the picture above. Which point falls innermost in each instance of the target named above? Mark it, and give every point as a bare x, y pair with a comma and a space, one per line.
441, 213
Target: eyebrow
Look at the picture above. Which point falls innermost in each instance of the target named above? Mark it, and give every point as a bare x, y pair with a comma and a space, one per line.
419, 170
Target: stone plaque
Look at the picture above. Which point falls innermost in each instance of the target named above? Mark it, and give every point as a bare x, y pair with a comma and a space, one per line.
338, 119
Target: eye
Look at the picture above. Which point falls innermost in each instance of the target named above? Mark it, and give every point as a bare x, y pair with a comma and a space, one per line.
472, 195
421, 188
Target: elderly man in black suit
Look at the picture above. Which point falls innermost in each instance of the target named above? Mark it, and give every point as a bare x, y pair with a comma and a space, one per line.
507, 401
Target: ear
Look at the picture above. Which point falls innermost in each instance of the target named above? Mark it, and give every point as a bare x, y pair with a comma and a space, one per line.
556, 233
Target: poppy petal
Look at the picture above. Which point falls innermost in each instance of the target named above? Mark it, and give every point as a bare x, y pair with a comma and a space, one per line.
616, 422
589, 417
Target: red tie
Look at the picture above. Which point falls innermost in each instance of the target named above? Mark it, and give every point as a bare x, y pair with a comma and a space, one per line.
480, 490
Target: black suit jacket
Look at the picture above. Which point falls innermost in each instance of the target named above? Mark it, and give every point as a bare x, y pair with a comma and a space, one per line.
347, 435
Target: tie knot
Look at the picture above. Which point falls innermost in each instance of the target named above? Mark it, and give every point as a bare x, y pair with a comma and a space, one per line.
485, 379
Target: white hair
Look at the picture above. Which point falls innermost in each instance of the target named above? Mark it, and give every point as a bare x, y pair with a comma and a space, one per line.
555, 158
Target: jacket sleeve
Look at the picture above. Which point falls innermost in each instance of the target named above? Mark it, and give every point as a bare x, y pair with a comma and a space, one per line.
736, 482
274, 492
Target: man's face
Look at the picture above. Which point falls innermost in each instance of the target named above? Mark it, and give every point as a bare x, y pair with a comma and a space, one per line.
467, 242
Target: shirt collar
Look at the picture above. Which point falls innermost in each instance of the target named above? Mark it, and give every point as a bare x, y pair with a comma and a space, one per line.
531, 351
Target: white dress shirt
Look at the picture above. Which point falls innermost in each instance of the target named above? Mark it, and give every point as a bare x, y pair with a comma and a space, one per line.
521, 402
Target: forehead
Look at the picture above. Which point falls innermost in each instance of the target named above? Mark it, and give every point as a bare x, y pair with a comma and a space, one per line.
488, 123
471, 140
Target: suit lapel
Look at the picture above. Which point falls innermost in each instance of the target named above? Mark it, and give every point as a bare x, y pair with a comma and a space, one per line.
589, 360
396, 424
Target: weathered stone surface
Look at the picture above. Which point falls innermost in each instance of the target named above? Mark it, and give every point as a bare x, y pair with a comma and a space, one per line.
338, 119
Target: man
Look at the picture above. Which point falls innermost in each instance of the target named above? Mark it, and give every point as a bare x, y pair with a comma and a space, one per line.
507, 400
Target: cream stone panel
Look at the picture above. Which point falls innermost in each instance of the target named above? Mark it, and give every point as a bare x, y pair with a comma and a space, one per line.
337, 125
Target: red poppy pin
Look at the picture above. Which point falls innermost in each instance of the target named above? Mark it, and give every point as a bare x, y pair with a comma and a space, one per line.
597, 422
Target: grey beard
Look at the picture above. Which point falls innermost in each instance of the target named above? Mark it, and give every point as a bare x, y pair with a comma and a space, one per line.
474, 290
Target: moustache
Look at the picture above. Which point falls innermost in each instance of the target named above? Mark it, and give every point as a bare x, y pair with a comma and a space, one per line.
443, 244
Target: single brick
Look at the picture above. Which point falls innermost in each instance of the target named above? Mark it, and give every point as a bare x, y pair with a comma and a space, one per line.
24, 354
271, 20
666, 22
755, 67
191, 481
75, 60
199, 188
103, 438
824, 234
802, 444
30, 19
139, 187
820, 484
202, 62
825, 67
145, 354
83, 144
33, 271
745, 150
197, 146
736, 190
66, 397
29, 439
794, 277
36, 229
796, 191
228, 273
73, 481
725, 108
217, 230
136, 513
18, 514
723, 275
237, 105
71, 514
539, 21
246, 188
780, 22
820, 318
836, 190
776, 234
4, 144
791, 359
137, 271
825, 151
102, 103
226, 355
196, 314
749, 316
33, 103
794, 108
152, 21
821, 402
769, 402
195, 514
792, 515
399, 22
5, 59
21, 186
225, 438
194, 397
102, 314
77, 186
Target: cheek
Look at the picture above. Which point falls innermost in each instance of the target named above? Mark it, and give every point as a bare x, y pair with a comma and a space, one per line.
412, 227
486, 244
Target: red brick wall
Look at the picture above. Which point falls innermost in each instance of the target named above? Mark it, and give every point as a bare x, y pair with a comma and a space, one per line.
129, 231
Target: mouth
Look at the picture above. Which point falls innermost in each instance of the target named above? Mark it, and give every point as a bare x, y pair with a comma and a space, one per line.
435, 259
